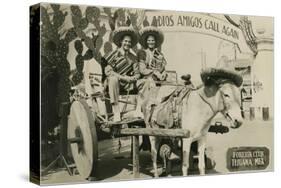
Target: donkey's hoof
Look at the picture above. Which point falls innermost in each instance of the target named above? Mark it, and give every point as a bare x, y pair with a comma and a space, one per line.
164, 174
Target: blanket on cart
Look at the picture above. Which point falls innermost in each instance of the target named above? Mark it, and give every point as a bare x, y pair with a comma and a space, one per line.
164, 109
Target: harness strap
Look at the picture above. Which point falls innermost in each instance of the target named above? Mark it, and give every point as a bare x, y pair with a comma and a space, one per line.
207, 103
184, 92
178, 104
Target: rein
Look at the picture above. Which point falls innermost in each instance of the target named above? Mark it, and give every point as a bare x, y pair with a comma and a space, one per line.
226, 114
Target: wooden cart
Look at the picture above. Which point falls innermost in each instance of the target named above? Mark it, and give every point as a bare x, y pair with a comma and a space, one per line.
83, 122
82, 136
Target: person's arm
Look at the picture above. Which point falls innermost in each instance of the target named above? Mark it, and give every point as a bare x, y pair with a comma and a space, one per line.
161, 60
141, 57
110, 72
136, 71
144, 70
163, 65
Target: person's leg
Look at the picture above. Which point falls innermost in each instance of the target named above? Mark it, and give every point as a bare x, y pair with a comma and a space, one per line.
145, 86
138, 111
113, 89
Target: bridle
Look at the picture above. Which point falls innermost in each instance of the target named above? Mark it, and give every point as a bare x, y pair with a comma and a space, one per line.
224, 111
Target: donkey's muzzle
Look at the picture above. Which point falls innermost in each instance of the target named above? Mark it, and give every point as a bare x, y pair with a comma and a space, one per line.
236, 124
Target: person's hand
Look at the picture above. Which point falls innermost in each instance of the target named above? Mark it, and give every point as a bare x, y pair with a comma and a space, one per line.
157, 74
132, 79
163, 76
126, 78
108, 70
129, 79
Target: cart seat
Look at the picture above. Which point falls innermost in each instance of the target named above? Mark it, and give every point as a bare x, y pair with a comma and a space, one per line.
130, 92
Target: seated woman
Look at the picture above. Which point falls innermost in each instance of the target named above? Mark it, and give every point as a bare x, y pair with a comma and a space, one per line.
151, 63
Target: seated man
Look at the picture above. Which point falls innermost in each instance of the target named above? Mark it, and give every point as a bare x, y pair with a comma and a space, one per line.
121, 68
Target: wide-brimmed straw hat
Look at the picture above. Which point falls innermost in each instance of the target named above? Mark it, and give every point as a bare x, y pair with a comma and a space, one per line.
151, 30
120, 32
223, 70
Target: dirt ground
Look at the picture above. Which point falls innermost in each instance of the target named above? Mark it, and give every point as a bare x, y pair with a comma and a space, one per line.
115, 163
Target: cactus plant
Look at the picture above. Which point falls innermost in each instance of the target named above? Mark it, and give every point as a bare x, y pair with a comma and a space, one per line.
55, 40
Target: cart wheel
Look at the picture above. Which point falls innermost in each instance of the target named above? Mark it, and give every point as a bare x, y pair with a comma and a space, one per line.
82, 137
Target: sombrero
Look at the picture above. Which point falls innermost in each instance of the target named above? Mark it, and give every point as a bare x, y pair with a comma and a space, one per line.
223, 70
120, 32
151, 30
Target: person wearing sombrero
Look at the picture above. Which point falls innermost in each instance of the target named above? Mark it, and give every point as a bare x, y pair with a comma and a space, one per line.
151, 62
121, 67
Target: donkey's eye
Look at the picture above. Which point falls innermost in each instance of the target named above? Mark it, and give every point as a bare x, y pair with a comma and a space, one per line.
226, 95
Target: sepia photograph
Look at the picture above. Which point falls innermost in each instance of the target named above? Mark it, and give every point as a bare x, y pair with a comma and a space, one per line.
129, 94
